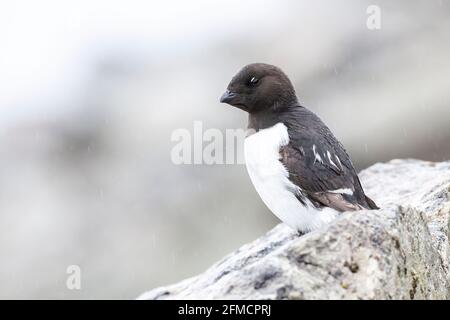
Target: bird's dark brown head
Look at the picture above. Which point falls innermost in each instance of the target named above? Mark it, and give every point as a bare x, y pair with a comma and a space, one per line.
260, 87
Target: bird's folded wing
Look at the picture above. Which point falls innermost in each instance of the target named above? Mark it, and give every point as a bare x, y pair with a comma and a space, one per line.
325, 176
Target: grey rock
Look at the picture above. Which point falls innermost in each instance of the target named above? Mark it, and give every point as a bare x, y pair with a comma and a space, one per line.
398, 252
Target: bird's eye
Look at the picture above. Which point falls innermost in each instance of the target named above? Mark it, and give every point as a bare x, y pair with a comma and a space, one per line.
253, 81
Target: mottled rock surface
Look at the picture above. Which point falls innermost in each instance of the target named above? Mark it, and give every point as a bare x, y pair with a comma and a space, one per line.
398, 252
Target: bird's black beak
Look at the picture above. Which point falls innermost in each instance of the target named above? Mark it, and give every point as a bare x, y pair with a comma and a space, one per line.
228, 97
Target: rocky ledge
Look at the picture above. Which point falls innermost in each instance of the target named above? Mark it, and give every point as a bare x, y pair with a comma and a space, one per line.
398, 252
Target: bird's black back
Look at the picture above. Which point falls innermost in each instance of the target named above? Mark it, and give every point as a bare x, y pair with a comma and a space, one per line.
316, 161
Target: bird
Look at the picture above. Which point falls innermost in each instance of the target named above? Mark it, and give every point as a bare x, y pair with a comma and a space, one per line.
298, 167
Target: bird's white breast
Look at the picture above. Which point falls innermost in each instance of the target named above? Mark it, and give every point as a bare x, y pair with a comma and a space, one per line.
270, 178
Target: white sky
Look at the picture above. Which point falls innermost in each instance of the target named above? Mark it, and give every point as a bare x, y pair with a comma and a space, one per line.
46, 46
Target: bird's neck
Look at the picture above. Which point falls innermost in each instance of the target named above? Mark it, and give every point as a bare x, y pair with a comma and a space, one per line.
268, 118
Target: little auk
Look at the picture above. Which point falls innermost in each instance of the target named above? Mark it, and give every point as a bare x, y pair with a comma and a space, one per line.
299, 169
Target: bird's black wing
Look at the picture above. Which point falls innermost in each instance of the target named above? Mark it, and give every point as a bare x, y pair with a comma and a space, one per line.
319, 165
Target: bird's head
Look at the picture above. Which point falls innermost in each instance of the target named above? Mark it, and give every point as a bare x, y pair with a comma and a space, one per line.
260, 87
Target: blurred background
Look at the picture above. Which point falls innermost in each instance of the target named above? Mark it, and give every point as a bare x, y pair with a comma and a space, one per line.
91, 91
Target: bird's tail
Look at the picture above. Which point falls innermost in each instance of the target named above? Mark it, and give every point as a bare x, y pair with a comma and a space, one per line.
371, 203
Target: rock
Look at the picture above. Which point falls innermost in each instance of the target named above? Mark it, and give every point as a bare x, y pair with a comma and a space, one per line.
398, 252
